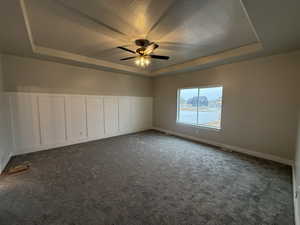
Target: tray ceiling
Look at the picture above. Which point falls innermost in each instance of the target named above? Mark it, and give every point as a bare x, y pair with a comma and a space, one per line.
185, 30
196, 34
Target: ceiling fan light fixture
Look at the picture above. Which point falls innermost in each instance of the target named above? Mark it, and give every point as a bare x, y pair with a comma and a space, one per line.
142, 61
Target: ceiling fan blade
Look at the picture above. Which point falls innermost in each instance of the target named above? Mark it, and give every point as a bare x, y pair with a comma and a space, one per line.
128, 58
126, 49
150, 48
159, 57
155, 46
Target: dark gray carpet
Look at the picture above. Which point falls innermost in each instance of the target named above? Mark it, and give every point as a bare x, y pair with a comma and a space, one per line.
146, 178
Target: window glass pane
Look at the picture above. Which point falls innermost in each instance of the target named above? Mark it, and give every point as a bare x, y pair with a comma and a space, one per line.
188, 106
210, 107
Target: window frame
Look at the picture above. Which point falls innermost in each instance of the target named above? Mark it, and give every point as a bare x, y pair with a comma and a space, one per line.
197, 125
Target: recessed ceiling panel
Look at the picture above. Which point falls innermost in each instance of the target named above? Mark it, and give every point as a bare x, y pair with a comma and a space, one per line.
184, 30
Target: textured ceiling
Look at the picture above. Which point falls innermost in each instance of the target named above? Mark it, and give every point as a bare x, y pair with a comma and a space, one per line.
196, 34
184, 29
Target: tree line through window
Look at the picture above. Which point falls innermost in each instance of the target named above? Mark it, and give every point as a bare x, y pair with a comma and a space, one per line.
200, 106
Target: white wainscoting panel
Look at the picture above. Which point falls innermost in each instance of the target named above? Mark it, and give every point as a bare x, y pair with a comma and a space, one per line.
52, 119
76, 118
125, 114
111, 116
136, 113
95, 117
25, 121
45, 121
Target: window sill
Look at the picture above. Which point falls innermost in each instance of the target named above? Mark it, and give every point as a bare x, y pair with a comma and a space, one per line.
199, 126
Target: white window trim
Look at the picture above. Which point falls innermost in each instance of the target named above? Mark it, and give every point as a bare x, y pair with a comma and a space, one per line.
197, 125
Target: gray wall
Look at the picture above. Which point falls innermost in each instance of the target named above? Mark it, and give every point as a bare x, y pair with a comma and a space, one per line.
5, 132
32, 75
259, 103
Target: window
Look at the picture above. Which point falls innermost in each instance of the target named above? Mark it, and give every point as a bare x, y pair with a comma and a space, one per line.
200, 106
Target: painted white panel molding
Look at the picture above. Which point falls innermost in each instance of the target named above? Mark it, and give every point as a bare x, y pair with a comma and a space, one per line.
76, 118
45, 121
95, 117
125, 115
25, 123
136, 113
52, 119
111, 115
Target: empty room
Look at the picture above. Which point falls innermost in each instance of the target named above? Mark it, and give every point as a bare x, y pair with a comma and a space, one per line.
149, 112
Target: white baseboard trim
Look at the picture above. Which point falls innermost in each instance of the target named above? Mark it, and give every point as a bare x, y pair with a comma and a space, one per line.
5, 162
73, 142
295, 196
229, 147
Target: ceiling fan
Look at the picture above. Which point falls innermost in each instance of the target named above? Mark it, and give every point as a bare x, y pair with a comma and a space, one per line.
144, 52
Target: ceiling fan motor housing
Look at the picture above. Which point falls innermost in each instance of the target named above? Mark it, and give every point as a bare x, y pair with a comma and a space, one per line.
142, 42
141, 50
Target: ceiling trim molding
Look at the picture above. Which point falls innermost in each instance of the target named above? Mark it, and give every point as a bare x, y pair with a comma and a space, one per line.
27, 24
67, 56
244, 50
250, 21
84, 59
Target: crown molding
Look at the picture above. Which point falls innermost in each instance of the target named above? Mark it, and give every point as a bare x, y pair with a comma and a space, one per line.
244, 50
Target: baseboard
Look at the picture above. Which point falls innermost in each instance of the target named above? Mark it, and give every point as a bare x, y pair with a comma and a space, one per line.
295, 196
68, 143
5, 162
229, 147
